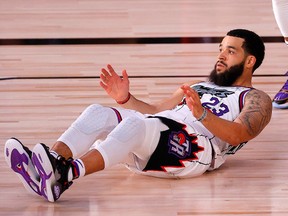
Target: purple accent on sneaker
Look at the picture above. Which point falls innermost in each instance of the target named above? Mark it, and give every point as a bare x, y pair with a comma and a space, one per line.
42, 173
17, 165
7, 152
282, 96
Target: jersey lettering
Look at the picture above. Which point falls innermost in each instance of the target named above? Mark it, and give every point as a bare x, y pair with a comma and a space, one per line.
175, 146
179, 144
221, 93
221, 107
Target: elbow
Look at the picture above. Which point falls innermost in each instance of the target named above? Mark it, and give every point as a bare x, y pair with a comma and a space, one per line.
235, 140
234, 143
239, 135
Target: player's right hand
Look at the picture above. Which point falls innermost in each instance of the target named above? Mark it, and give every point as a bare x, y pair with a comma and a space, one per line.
116, 87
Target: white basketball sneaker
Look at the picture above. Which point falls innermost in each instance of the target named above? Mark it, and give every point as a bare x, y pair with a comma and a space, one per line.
53, 172
18, 158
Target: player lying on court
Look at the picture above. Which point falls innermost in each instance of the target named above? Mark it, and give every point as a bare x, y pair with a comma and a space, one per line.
182, 136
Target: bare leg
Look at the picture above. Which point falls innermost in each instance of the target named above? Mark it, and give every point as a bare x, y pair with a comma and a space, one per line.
93, 161
62, 149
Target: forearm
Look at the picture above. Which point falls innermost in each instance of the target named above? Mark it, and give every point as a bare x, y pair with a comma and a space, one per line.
252, 119
153, 108
118, 89
138, 105
230, 132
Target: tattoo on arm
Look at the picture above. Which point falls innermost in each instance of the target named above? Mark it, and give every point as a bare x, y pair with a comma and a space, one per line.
256, 113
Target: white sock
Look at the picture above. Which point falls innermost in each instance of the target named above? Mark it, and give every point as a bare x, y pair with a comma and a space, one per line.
77, 170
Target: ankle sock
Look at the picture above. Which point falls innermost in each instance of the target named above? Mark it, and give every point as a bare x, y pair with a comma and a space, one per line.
77, 169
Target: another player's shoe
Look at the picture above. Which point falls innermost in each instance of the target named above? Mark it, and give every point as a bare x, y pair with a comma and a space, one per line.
53, 172
281, 98
18, 158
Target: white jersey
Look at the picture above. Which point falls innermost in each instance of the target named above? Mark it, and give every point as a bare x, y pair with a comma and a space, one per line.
225, 102
174, 143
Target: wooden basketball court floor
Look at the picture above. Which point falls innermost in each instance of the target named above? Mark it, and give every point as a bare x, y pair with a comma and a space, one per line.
45, 86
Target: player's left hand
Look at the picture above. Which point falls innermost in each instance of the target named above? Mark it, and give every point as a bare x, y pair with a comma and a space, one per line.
193, 101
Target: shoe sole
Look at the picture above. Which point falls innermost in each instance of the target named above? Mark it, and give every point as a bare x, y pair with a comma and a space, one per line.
280, 106
42, 164
19, 161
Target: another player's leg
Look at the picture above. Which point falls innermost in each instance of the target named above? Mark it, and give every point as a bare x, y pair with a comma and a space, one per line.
280, 10
18, 158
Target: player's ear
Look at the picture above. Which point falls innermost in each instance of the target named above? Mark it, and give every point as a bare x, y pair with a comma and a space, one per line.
250, 61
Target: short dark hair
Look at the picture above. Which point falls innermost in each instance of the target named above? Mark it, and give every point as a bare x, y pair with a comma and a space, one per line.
253, 44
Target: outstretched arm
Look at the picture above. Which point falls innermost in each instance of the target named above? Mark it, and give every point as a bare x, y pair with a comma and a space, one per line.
253, 118
118, 89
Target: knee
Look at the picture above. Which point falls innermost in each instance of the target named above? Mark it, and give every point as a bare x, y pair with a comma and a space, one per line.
92, 108
133, 123
92, 119
131, 128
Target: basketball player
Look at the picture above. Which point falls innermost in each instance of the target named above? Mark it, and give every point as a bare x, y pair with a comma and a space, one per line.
184, 135
280, 9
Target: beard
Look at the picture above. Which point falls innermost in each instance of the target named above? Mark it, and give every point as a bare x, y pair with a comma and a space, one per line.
227, 77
